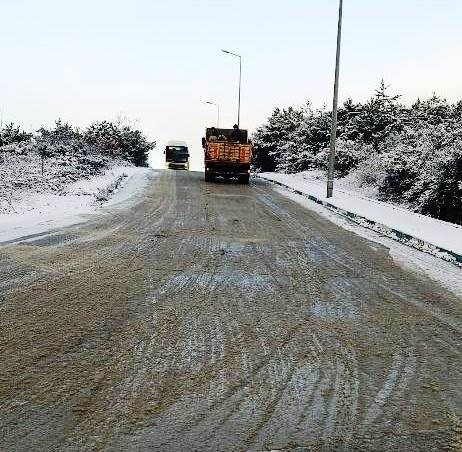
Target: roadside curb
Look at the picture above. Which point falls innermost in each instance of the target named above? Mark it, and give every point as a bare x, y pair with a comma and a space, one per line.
380, 228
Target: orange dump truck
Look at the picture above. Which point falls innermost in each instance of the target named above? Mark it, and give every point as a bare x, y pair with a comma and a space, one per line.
227, 153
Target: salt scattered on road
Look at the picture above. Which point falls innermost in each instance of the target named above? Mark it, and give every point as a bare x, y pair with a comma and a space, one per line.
440, 271
439, 233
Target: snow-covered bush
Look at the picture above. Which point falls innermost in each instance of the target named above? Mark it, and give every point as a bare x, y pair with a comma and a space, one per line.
370, 171
348, 155
11, 134
437, 188
119, 141
52, 158
291, 139
411, 154
272, 140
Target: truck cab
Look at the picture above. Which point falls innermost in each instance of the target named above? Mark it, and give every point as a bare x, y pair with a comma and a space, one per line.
177, 155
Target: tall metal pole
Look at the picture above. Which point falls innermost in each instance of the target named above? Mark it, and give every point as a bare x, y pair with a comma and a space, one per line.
239, 101
333, 133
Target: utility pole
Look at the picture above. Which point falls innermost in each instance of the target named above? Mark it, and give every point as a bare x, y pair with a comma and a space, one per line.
333, 133
240, 82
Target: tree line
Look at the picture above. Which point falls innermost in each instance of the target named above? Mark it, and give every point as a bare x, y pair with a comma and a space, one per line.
94, 146
412, 154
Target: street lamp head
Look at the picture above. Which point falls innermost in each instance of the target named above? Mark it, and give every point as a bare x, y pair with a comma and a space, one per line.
230, 53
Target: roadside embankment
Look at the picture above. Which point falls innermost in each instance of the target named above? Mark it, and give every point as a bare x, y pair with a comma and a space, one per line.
38, 213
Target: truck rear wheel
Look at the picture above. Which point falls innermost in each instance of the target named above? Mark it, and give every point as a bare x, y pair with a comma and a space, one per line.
209, 177
244, 179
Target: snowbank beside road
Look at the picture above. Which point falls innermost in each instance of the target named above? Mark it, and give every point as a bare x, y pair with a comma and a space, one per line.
428, 234
42, 212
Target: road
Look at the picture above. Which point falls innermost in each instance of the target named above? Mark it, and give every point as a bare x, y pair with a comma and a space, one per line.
222, 317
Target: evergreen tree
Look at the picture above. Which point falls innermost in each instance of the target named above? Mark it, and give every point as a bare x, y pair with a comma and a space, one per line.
413, 153
11, 134
271, 141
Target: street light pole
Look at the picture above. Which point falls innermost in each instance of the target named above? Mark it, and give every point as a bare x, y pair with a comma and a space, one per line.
218, 112
240, 82
239, 100
333, 133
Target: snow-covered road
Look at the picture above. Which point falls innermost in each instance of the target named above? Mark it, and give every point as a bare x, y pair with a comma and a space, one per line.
428, 232
223, 317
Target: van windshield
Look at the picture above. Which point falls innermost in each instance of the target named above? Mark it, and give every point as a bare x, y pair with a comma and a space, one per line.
176, 153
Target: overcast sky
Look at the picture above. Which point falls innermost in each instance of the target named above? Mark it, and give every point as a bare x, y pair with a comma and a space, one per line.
158, 61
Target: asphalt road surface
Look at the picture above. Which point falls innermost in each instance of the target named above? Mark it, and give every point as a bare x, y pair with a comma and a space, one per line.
222, 317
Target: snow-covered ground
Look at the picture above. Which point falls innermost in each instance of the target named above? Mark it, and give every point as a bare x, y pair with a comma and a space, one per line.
41, 212
435, 232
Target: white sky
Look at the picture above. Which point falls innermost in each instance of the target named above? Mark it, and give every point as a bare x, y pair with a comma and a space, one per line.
158, 61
